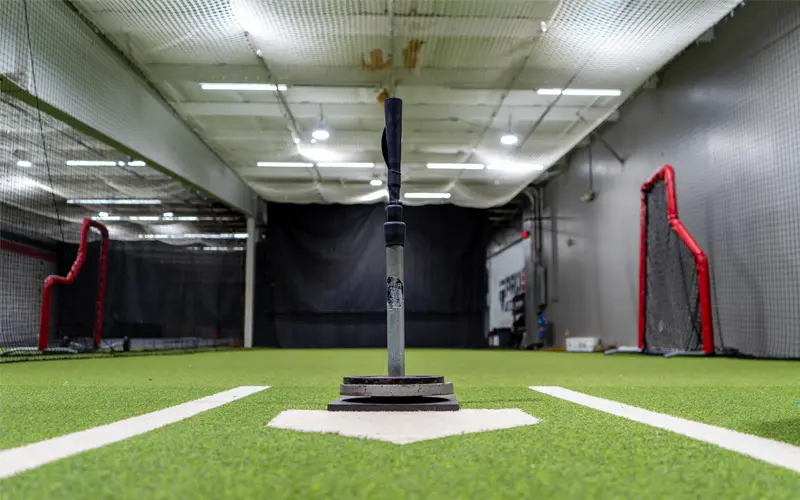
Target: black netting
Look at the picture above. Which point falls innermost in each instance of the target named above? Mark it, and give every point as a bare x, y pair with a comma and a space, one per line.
672, 305
176, 259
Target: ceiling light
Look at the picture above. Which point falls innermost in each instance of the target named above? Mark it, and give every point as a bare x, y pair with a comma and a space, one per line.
90, 163
137, 163
107, 218
206, 236
113, 202
284, 164
581, 92
103, 214
320, 134
509, 139
24, 163
168, 215
373, 196
456, 166
188, 218
121, 163
144, 218
428, 196
243, 86
344, 164
376, 182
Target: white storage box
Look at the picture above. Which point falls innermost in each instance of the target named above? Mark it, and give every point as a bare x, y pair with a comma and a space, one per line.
582, 344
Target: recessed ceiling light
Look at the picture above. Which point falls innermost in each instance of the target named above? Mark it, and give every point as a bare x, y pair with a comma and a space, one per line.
103, 214
320, 134
428, 196
456, 166
284, 164
243, 86
24, 163
168, 214
509, 139
376, 182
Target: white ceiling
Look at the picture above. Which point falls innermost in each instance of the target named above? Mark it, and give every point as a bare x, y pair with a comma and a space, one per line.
480, 64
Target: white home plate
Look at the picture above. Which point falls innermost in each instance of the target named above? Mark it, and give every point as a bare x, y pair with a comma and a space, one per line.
401, 427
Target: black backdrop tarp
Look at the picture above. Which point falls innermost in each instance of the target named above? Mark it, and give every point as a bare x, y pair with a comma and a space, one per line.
321, 277
155, 290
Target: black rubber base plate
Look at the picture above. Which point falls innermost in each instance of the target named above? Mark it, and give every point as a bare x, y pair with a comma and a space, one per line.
418, 403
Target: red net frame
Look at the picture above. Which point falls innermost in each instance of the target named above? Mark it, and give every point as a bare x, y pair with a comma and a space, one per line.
667, 175
51, 281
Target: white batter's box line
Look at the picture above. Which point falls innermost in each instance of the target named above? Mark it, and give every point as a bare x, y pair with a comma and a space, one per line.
31, 456
767, 450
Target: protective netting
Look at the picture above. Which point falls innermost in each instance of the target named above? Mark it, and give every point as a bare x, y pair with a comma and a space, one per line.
672, 296
173, 252
467, 72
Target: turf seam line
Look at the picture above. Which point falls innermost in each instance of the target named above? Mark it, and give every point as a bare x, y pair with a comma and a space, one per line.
767, 450
31, 456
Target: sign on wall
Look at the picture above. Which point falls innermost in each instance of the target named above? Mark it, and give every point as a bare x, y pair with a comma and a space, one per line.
505, 280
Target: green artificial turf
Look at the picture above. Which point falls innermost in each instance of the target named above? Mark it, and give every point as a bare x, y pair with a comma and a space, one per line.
228, 452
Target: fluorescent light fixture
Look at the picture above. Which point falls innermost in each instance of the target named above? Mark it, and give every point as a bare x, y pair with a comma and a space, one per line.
376, 182
581, 92
456, 166
91, 163
223, 249
320, 134
188, 218
243, 86
113, 202
284, 164
509, 139
103, 214
24, 163
373, 196
344, 164
137, 163
515, 167
205, 236
121, 163
168, 215
428, 196
145, 218
107, 218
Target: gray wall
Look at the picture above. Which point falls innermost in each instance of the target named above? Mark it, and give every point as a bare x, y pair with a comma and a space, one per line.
727, 117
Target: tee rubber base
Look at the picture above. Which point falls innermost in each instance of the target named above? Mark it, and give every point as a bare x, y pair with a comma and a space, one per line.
416, 403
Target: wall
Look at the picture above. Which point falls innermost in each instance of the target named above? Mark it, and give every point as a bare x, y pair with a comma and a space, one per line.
725, 116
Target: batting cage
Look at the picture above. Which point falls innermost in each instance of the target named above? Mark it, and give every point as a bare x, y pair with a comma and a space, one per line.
100, 254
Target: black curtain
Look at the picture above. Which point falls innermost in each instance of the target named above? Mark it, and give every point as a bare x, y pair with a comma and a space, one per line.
321, 277
155, 290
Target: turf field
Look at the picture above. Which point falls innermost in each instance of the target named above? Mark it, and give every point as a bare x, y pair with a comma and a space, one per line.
228, 452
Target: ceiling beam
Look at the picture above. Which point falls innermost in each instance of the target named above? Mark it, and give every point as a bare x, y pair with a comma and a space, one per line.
371, 111
293, 24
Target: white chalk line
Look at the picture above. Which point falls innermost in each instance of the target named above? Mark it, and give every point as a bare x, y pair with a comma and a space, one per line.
31, 456
767, 450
